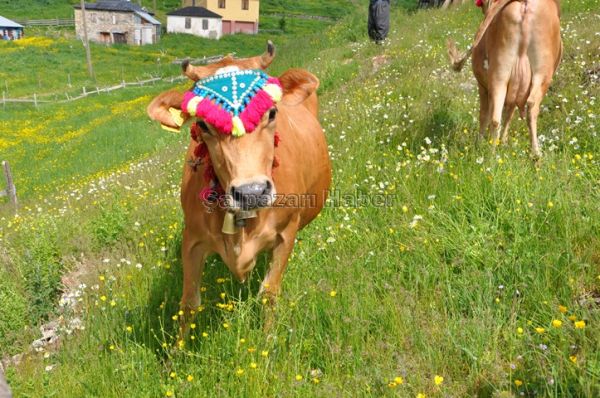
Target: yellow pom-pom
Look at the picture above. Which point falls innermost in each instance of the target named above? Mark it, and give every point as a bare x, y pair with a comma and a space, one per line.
177, 116
192, 105
238, 127
169, 128
274, 92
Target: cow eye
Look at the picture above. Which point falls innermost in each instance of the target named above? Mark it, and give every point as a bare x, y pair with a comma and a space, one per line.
203, 127
272, 114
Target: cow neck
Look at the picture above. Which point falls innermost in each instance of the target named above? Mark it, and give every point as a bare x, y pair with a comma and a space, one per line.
213, 190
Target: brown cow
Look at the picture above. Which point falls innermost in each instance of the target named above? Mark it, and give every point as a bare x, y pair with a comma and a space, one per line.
516, 51
244, 168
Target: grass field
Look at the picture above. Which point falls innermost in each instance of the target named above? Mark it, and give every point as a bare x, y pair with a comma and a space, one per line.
481, 277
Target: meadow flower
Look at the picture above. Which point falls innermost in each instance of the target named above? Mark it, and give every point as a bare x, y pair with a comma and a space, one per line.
520, 330
438, 380
573, 358
579, 324
253, 365
556, 323
239, 372
398, 380
264, 353
518, 383
316, 380
190, 378
540, 330
562, 309
332, 293
299, 377
420, 395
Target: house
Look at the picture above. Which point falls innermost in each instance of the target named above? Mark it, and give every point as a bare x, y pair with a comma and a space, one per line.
239, 16
197, 21
116, 21
10, 30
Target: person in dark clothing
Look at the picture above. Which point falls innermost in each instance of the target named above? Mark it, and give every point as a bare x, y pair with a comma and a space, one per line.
379, 20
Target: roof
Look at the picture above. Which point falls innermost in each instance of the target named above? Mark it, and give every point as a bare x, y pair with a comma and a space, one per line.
148, 17
114, 5
199, 12
7, 23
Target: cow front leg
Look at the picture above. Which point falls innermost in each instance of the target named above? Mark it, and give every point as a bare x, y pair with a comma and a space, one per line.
271, 285
194, 258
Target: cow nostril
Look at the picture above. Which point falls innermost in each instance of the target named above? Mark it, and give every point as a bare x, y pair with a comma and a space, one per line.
268, 188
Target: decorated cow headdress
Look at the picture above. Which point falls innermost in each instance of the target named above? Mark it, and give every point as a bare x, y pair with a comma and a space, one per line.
233, 101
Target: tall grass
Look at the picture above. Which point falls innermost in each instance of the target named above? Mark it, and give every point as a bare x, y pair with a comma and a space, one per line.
482, 270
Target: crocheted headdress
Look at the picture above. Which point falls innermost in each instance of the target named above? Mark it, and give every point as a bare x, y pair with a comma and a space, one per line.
233, 101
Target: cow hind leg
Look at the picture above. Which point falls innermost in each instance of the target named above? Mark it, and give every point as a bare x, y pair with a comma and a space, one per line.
194, 258
497, 105
533, 110
507, 116
484, 112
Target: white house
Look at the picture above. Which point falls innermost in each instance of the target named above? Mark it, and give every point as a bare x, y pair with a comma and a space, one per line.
196, 21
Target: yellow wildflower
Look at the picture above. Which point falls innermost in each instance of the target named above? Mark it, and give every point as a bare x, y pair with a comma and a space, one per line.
299, 377
438, 380
556, 323
398, 380
333, 293
540, 330
562, 309
518, 383
190, 378
579, 324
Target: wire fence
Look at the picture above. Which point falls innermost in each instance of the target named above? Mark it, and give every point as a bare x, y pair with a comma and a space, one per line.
86, 91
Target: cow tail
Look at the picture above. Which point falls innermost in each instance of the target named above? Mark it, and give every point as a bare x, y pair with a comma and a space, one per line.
456, 60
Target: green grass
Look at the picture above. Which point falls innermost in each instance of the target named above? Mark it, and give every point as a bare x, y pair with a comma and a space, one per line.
475, 246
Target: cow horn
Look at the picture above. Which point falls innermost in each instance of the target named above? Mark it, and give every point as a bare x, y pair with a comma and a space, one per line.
263, 61
195, 73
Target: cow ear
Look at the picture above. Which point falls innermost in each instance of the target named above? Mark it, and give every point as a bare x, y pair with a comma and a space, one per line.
297, 85
166, 109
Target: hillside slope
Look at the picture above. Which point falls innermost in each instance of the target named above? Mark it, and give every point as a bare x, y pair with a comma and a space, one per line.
478, 277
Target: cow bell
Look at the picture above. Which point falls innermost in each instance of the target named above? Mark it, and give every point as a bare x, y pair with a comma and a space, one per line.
229, 224
242, 216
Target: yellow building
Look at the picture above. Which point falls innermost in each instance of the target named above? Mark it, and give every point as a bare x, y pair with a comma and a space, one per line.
239, 16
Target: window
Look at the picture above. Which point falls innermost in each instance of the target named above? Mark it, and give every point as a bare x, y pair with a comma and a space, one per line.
205, 24
222, 4
114, 19
188, 22
245, 4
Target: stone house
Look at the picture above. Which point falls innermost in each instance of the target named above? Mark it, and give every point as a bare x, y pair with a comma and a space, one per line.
196, 21
239, 16
110, 22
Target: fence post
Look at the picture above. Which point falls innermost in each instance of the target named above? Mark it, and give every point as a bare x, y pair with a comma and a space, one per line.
11, 190
84, 92
35, 100
4, 99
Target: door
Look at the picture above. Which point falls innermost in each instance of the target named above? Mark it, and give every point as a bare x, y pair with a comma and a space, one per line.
120, 38
137, 38
226, 27
147, 35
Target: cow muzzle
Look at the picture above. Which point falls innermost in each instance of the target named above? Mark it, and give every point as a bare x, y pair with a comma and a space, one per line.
253, 195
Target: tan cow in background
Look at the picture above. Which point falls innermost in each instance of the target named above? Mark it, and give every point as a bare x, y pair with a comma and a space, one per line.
516, 51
